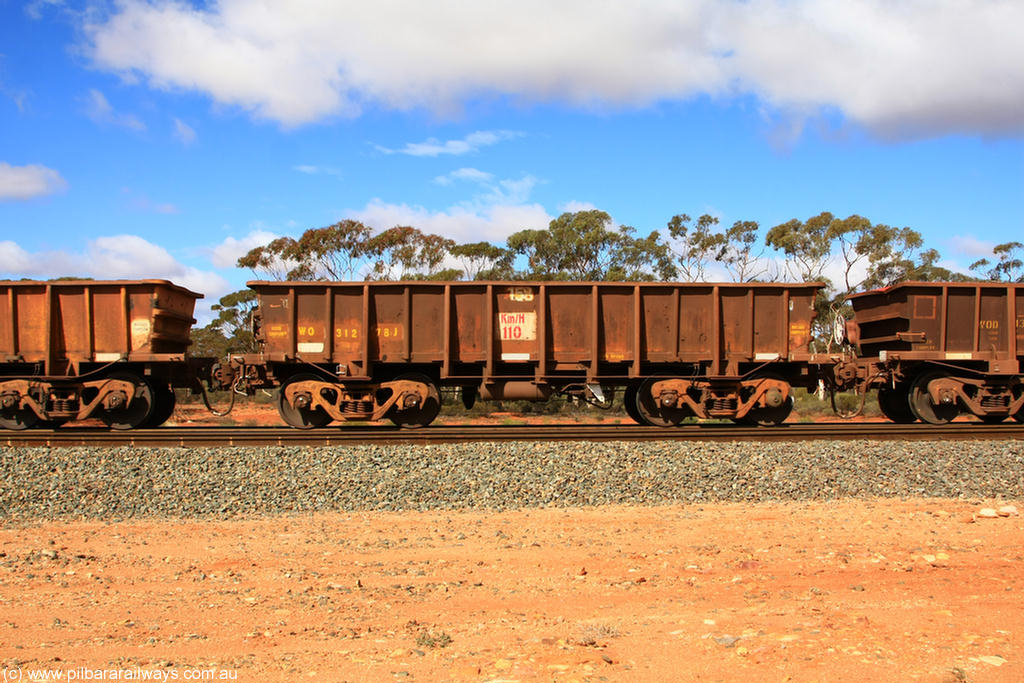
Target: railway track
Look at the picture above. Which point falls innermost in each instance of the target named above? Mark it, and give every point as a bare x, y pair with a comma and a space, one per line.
335, 436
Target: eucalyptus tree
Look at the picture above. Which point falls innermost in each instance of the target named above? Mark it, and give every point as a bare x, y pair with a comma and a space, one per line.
695, 245
1008, 268
483, 261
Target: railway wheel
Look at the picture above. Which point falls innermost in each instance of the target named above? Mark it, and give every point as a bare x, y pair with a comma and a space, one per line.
771, 415
300, 416
18, 418
629, 403
922, 405
163, 407
420, 414
652, 412
894, 402
137, 411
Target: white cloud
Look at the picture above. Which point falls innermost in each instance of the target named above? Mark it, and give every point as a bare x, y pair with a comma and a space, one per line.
35, 9
140, 202
970, 246
227, 253
914, 67
99, 109
28, 182
498, 208
19, 97
463, 223
467, 174
471, 143
902, 68
835, 271
110, 258
120, 256
14, 259
313, 169
574, 206
510, 191
185, 133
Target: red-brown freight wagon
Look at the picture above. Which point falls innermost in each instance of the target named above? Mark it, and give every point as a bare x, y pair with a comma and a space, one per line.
363, 351
83, 348
936, 349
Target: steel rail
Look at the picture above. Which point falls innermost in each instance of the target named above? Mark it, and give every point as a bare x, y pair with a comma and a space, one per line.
340, 436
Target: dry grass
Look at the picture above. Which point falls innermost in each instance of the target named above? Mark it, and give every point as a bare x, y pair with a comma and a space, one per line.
430, 638
593, 633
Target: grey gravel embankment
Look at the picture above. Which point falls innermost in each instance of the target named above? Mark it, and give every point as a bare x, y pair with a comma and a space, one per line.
119, 483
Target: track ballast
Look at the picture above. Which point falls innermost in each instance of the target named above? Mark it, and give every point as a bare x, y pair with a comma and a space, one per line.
336, 436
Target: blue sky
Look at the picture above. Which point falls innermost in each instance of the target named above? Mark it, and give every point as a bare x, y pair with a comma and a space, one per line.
160, 139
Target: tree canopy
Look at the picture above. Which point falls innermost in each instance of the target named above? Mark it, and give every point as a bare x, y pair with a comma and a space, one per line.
584, 245
850, 254
231, 330
1009, 266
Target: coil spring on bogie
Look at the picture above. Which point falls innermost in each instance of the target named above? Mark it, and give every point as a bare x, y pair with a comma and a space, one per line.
357, 407
63, 405
722, 403
1002, 401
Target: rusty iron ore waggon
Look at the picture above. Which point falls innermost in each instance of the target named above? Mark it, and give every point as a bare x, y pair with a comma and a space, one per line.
341, 351
366, 351
935, 350
114, 350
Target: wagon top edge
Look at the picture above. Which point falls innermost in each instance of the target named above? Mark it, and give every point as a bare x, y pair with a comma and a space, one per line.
78, 284
534, 283
921, 284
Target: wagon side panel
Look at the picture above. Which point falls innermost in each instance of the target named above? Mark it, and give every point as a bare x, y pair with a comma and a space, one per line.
427, 323
275, 308
1017, 305
312, 318
172, 310
469, 313
521, 331
8, 324
65, 324
696, 312
942, 321
796, 308
737, 325
994, 321
349, 335
617, 320
661, 315
570, 323
388, 326
27, 316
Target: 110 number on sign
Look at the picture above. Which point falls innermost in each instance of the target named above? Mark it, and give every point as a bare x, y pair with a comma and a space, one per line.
518, 326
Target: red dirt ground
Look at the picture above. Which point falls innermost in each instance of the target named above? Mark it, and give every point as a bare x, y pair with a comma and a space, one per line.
263, 414
877, 590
